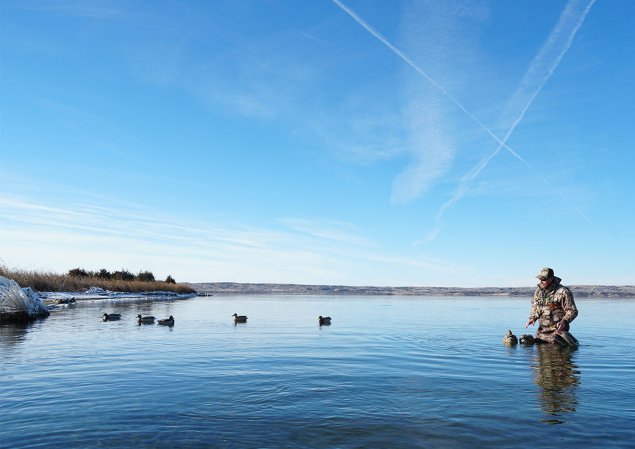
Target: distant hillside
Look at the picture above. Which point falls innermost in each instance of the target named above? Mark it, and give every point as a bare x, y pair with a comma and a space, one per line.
579, 291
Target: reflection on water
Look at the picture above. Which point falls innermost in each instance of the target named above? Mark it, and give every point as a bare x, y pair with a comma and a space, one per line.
558, 378
389, 372
11, 334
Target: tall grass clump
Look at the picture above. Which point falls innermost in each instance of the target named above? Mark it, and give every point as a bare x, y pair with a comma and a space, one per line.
74, 282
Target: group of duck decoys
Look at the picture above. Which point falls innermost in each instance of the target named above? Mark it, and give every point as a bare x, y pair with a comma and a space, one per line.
564, 339
140, 319
510, 339
322, 320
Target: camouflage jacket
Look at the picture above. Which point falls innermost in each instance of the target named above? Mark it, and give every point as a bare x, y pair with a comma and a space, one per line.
549, 306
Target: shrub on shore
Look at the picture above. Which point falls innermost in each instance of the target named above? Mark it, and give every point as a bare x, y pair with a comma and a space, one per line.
81, 280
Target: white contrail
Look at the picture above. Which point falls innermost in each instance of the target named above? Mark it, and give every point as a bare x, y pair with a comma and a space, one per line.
568, 24
421, 72
563, 24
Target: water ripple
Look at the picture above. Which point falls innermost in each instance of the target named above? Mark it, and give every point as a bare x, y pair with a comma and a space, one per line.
425, 375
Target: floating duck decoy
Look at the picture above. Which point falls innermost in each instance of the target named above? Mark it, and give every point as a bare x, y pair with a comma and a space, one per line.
324, 320
145, 319
111, 317
167, 321
510, 339
239, 318
527, 339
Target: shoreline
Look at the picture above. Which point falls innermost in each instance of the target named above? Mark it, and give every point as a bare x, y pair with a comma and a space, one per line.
52, 299
228, 288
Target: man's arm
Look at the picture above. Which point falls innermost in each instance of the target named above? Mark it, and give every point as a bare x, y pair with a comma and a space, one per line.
535, 310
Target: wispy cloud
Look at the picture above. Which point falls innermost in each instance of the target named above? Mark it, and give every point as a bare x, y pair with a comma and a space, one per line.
401, 54
336, 232
432, 151
420, 168
539, 72
79, 8
441, 36
302, 250
263, 78
362, 133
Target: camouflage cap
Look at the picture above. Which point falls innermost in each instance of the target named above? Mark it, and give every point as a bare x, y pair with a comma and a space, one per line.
545, 273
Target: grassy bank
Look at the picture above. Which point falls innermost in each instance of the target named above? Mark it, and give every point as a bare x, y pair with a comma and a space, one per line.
54, 282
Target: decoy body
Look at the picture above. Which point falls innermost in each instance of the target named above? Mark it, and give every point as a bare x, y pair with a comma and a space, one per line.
145, 319
324, 320
167, 321
239, 318
527, 339
510, 338
111, 317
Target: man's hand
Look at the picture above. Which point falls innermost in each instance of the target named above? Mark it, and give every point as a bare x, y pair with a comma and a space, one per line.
530, 322
563, 325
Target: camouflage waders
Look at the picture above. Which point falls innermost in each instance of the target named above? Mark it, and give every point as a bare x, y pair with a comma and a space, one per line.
549, 306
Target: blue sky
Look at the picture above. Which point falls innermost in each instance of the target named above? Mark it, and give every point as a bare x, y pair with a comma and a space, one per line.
459, 143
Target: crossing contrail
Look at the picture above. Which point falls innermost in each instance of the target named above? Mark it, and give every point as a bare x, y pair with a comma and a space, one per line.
542, 67
569, 23
421, 72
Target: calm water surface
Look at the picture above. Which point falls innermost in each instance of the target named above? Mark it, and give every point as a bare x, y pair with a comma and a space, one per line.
390, 372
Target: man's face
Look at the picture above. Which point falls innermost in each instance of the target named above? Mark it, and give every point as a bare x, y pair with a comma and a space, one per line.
546, 283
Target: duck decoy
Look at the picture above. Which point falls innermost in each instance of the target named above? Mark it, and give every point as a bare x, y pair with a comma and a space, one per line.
510, 339
167, 321
239, 318
324, 320
145, 319
527, 339
111, 317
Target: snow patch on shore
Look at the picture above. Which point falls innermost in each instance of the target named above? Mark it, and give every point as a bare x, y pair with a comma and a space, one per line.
99, 294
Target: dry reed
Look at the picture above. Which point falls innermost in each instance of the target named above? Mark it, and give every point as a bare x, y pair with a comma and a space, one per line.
54, 282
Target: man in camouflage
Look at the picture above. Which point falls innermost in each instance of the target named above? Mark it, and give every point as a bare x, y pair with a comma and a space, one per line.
553, 307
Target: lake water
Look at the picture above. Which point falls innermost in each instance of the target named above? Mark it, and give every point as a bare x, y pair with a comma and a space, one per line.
390, 372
